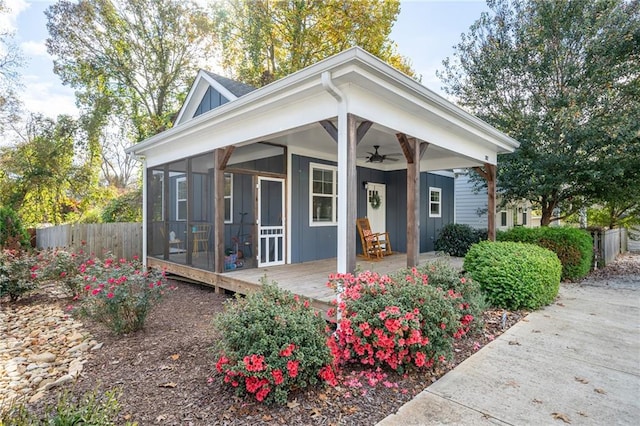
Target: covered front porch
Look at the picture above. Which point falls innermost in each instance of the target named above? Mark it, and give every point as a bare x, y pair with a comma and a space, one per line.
308, 279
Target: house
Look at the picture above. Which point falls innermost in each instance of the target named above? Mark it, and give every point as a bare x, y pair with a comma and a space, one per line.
278, 175
471, 207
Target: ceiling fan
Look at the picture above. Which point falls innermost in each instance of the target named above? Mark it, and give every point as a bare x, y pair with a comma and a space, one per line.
376, 157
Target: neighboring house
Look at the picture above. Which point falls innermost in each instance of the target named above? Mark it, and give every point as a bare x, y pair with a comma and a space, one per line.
471, 207
280, 173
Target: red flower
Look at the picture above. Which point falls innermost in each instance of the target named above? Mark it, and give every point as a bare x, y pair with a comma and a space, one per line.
110, 295
292, 368
221, 362
254, 362
277, 376
262, 393
288, 350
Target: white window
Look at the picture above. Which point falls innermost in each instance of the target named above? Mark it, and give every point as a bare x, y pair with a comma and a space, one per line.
435, 202
181, 198
323, 198
228, 198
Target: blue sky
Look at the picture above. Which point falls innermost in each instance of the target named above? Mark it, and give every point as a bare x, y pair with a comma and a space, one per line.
425, 32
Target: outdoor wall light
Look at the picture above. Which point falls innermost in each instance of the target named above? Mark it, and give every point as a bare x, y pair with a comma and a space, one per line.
364, 184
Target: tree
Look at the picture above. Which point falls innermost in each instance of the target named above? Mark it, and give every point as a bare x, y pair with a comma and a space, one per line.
264, 40
43, 176
131, 63
10, 61
563, 79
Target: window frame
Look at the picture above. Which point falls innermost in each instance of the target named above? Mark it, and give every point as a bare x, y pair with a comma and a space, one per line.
230, 197
433, 189
179, 180
333, 195
504, 215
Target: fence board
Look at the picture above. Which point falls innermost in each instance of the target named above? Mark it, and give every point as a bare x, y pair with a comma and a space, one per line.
122, 240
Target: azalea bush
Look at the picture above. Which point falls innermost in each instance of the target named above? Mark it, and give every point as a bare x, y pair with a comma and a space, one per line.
400, 322
271, 342
17, 273
119, 293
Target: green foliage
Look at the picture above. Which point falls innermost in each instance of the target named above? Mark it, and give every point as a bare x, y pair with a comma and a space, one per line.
401, 322
561, 78
125, 208
514, 275
455, 239
46, 175
17, 274
12, 233
119, 293
64, 267
262, 41
93, 408
271, 343
574, 247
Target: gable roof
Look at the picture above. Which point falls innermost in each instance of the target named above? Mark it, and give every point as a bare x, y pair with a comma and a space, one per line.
230, 89
373, 91
235, 87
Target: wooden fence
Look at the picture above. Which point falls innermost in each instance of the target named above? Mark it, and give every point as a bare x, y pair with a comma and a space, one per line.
123, 240
607, 245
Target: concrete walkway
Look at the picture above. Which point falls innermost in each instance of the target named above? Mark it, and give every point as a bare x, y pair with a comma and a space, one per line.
576, 361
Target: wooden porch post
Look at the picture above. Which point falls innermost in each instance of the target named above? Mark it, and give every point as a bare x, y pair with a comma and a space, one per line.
220, 158
489, 174
413, 152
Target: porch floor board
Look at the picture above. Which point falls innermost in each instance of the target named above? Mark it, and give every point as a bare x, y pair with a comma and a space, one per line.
308, 279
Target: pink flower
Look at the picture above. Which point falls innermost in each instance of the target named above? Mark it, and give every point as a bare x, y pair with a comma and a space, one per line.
221, 362
288, 350
254, 363
95, 291
277, 376
110, 295
292, 368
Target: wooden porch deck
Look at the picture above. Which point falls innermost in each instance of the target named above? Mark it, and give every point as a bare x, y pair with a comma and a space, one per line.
307, 279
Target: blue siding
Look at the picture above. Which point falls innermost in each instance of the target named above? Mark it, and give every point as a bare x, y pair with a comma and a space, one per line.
314, 243
211, 99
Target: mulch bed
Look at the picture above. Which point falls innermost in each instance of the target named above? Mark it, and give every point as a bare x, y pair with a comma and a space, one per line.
166, 373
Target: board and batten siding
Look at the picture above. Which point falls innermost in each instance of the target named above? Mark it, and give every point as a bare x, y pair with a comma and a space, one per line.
319, 242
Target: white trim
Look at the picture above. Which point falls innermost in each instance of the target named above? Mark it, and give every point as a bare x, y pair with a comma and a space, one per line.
333, 195
433, 189
283, 226
145, 171
198, 89
289, 204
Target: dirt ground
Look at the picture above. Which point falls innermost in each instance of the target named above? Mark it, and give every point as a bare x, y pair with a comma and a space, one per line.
165, 372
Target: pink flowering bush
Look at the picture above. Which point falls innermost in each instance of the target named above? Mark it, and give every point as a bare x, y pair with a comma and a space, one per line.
271, 342
18, 273
400, 322
63, 266
119, 293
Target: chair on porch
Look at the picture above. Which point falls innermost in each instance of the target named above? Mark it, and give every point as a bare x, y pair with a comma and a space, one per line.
373, 243
201, 234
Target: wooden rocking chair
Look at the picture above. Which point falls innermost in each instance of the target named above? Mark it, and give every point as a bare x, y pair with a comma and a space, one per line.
373, 243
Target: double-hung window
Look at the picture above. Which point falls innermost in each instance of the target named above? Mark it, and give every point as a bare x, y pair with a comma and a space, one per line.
323, 203
228, 198
181, 198
435, 202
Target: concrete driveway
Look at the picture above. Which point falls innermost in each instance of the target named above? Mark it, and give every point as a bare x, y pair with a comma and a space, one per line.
576, 361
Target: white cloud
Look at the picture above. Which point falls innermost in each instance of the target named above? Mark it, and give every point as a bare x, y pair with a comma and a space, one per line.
34, 48
47, 98
13, 9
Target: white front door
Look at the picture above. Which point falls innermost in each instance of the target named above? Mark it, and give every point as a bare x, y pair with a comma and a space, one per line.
377, 206
271, 222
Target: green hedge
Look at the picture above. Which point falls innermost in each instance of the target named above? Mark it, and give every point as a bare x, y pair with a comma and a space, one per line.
574, 247
12, 233
455, 239
514, 275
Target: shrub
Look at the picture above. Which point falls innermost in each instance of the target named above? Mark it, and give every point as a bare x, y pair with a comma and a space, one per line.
124, 208
118, 293
271, 342
12, 233
92, 408
455, 239
399, 322
64, 267
17, 274
514, 275
574, 247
